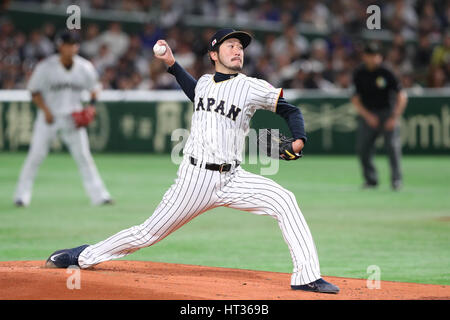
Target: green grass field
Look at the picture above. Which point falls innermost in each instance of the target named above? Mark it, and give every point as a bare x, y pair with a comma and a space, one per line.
406, 234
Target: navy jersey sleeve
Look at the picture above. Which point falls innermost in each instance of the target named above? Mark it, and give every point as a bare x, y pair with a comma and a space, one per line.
184, 79
293, 117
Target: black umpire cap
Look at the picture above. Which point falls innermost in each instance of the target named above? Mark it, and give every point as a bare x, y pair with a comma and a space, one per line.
224, 34
71, 37
372, 48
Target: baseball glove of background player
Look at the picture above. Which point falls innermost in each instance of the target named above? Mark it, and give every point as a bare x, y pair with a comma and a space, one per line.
277, 145
84, 117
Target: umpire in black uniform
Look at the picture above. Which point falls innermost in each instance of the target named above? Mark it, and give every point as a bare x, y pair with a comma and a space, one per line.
380, 101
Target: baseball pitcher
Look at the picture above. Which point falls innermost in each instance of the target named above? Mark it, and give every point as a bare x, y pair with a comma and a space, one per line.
56, 86
210, 174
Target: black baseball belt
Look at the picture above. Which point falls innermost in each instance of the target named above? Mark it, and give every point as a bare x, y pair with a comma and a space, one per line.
224, 167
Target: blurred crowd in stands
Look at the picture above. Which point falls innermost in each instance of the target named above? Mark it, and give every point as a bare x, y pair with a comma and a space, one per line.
418, 51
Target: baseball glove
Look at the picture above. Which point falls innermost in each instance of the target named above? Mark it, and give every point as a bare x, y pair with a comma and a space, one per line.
84, 117
277, 145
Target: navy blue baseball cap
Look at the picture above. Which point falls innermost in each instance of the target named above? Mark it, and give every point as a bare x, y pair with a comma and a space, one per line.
227, 33
67, 36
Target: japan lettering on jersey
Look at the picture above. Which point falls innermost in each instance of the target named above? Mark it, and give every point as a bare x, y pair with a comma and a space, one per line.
222, 113
62, 88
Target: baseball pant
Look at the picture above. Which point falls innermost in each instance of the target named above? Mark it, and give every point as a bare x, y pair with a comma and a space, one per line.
197, 190
366, 138
76, 141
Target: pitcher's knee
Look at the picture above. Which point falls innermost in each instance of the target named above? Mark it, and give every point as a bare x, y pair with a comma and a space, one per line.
284, 198
288, 203
288, 196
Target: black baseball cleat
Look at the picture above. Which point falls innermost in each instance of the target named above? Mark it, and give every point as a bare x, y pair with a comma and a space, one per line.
319, 285
107, 202
65, 258
19, 203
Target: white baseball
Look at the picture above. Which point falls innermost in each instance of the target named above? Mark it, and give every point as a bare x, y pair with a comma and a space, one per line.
159, 50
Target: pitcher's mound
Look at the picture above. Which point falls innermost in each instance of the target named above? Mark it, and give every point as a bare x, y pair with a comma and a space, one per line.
165, 281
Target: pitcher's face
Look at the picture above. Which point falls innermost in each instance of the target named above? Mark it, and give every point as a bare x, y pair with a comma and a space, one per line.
229, 56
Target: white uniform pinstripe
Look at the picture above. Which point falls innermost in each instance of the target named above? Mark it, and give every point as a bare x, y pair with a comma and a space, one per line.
222, 113
61, 90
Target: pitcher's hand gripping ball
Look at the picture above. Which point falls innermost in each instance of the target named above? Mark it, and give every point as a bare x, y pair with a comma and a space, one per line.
159, 50
277, 145
84, 117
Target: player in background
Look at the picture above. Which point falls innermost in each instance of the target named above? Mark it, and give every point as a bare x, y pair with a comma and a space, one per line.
210, 174
56, 87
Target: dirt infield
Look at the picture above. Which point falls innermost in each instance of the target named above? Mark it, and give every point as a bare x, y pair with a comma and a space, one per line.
125, 280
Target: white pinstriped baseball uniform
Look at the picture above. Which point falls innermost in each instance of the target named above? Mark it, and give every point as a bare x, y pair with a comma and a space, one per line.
222, 113
61, 90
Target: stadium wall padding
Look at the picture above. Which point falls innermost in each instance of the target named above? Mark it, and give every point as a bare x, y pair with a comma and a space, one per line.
147, 121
